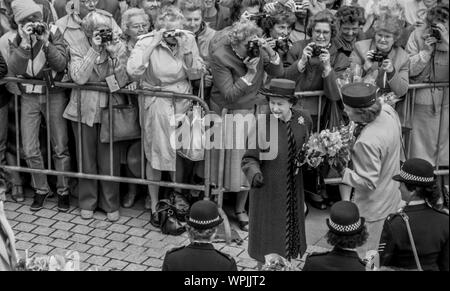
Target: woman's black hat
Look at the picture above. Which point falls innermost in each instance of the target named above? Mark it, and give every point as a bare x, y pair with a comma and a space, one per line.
344, 219
280, 88
416, 172
204, 215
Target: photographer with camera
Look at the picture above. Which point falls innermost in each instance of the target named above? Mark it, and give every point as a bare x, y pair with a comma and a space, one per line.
277, 28
351, 19
98, 57
316, 65
428, 49
38, 51
239, 68
382, 61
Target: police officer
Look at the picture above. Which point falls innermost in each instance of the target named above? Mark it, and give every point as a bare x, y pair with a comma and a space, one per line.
200, 255
347, 231
429, 225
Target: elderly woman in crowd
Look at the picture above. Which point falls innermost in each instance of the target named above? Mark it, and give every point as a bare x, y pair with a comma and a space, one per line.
428, 49
429, 225
135, 23
166, 62
351, 19
316, 65
381, 60
151, 8
237, 79
93, 60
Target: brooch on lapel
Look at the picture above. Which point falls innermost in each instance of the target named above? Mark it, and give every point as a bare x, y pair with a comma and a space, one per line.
301, 120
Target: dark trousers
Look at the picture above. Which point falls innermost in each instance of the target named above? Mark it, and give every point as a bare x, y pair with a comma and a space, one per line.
95, 158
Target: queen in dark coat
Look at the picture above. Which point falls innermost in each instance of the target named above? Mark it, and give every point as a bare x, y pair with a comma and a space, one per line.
277, 217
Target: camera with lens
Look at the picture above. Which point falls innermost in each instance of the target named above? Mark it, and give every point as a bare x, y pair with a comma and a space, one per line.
106, 35
172, 33
379, 57
435, 33
253, 49
39, 28
258, 17
282, 44
317, 50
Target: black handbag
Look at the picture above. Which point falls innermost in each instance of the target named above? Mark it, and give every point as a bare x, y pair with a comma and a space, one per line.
125, 123
180, 204
169, 223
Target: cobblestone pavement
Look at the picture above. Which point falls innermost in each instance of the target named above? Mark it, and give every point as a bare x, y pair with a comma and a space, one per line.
131, 244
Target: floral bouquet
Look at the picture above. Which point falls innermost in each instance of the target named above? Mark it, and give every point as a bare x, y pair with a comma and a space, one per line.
329, 148
275, 262
69, 262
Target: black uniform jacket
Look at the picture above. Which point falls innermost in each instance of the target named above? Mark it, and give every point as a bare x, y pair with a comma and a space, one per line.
335, 260
430, 230
198, 257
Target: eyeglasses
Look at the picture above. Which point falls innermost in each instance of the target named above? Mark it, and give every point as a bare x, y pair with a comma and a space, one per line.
322, 32
384, 36
144, 26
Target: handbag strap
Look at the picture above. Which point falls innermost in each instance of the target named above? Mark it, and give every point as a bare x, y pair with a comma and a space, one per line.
411, 239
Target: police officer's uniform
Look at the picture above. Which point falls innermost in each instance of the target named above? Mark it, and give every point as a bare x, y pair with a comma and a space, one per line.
335, 260
198, 257
430, 230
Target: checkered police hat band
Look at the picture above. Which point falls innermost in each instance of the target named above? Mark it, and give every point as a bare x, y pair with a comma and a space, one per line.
204, 222
346, 228
413, 178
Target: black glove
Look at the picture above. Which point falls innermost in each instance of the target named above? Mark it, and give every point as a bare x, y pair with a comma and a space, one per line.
258, 181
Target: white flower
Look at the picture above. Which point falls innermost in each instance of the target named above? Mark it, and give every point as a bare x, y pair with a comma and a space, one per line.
301, 120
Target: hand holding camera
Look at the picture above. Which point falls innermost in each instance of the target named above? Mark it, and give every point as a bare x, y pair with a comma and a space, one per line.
251, 64
307, 52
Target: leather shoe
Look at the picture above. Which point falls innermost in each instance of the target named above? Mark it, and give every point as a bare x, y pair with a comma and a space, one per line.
128, 200
87, 214
17, 193
154, 220
243, 224
38, 202
113, 216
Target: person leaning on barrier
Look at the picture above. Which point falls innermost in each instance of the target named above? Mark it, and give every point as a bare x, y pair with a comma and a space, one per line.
382, 62
428, 222
94, 59
39, 52
347, 231
428, 48
200, 254
167, 62
375, 158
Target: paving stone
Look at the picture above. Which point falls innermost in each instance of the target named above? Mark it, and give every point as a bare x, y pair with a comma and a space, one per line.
118, 236
100, 233
99, 224
82, 229
80, 247
118, 255
153, 269
116, 265
41, 249
11, 206
137, 240
80, 238
135, 267
26, 209
99, 215
155, 244
13, 223
133, 249
62, 234
145, 216
157, 263
130, 212
25, 236
153, 235
178, 240
59, 243
232, 251
25, 227
11, 214
97, 260
63, 217
135, 222
43, 230
80, 221
46, 213
28, 218
45, 222
251, 264
24, 245
96, 241
43, 240
98, 251
118, 228
63, 225
135, 231
136, 258
116, 245
153, 253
